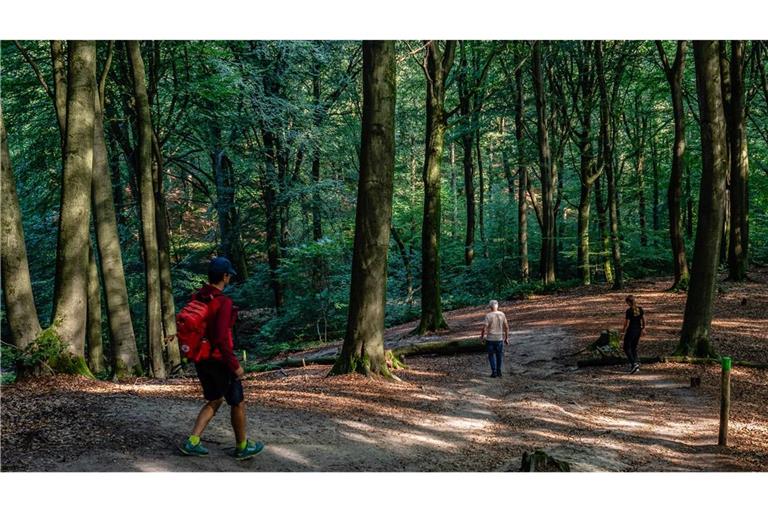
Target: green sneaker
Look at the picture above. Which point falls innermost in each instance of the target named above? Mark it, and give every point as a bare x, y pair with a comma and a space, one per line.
193, 449
249, 451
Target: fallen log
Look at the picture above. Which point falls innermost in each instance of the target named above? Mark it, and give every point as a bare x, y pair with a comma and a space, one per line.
395, 356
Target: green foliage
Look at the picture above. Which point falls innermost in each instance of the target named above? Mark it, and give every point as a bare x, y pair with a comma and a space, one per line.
46, 349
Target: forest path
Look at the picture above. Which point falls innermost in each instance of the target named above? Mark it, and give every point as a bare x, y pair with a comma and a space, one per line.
445, 415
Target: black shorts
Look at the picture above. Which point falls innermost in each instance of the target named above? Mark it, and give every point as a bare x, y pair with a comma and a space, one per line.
218, 381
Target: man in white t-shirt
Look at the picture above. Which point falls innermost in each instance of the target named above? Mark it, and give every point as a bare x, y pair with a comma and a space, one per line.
495, 334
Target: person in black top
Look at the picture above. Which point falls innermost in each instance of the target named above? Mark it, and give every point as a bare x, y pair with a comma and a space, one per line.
634, 328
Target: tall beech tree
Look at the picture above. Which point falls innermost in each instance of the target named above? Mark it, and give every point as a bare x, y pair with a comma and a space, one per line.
607, 100
437, 65
154, 320
125, 355
695, 334
70, 290
674, 75
17, 285
363, 349
522, 173
588, 171
739, 167
546, 170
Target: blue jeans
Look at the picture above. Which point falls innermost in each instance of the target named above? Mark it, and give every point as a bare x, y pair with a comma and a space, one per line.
495, 355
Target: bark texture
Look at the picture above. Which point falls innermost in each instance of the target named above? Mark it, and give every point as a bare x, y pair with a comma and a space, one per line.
70, 292
154, 329
18, 299
363, 349
695, 334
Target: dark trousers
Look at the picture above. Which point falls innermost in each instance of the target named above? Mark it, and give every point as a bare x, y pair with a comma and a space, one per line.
495, 355
631, 339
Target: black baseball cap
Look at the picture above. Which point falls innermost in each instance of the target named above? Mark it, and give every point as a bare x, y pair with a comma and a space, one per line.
221, 264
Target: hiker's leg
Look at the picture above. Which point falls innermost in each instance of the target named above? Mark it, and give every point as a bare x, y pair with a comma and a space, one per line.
635, 343
628, 349
205, 415
499, 355
491, 355
237, 415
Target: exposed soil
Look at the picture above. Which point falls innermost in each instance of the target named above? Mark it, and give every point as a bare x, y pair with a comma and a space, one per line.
446, 414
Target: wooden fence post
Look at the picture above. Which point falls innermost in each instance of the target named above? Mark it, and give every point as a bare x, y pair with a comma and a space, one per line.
725, 401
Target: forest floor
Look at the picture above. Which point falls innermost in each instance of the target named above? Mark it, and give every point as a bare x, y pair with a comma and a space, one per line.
446, 414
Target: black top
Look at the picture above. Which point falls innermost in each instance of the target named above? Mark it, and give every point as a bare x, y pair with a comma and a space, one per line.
634, 321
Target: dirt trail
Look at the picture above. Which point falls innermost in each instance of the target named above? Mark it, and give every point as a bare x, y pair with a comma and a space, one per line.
446, 415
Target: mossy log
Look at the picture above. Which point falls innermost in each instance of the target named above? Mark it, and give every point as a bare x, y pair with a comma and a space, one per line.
395, 356
540, 462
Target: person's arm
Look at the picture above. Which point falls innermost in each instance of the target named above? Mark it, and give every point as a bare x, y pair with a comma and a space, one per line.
506, 331
482, 331
626, 322
221, 335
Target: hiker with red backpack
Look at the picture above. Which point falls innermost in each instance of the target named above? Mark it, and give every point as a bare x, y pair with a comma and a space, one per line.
205, 338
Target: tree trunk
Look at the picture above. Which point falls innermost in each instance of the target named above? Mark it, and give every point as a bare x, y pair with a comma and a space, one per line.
674, 74
603, 228
481, 198
606, 138
154, 320
695, 334
587, 173
125, 355
406, 264
272, 214
548, 242
522, 171
437, 65
641, 186
655, 166
168, 306
18, 299
363, 349
739, 169
467, 137
93, 322
229, 224
71, 293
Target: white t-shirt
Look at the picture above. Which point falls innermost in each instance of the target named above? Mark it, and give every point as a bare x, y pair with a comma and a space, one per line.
494, 325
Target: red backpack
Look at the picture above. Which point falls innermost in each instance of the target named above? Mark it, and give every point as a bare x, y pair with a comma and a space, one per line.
191, 323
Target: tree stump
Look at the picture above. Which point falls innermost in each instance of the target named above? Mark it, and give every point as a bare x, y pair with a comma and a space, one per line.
540, 462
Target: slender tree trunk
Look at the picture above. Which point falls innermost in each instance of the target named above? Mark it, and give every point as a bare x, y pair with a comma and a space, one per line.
674, 74
603, 228
154, 318
125, 355
695, 334
522, 172
587, 173
168, 306
606, 137
363, 349
737, 254
641, 184
481, 198
406, 257
547, 172
272, 213
18, 299
437, 65
71, 293
467, 137
93, 322
655, 168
